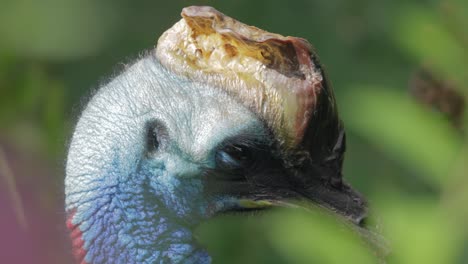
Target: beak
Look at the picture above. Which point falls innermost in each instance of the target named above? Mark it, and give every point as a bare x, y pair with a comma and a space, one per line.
307, 185
340, 200
292, 97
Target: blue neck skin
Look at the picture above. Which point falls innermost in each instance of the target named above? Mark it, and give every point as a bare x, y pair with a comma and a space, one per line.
146, 218
132, 204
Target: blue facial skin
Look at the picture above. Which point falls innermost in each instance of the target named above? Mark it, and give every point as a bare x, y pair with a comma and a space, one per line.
136, 200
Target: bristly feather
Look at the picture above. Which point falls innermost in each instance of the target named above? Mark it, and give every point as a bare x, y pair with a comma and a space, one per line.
163, 147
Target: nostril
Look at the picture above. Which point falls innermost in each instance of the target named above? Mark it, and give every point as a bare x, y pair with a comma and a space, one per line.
363, 222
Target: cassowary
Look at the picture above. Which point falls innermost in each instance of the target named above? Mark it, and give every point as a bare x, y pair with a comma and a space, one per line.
219, 117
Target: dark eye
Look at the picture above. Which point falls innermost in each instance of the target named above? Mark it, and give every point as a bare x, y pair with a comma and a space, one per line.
233, 157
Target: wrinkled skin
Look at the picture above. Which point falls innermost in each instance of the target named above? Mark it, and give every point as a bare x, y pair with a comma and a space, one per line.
152, 156
136, 203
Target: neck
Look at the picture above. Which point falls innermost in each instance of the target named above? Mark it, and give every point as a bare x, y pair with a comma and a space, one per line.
144, 242
130, 223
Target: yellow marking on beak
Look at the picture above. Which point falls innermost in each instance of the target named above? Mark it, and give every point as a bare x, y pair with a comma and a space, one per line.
252, 204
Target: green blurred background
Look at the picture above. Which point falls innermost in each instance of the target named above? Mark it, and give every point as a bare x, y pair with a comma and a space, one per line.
407, 158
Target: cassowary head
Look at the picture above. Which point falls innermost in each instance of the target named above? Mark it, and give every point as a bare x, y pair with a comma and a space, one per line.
220, 117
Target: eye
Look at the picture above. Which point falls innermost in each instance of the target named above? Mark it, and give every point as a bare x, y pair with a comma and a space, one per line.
233, 157
155, 133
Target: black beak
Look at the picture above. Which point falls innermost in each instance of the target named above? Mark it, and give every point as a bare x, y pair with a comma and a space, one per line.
343, 201
272, 183
264, 174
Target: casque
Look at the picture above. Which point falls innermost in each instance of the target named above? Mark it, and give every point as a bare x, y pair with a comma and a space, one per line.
221, 116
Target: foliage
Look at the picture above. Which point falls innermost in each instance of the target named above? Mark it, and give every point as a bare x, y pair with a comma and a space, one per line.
405, 157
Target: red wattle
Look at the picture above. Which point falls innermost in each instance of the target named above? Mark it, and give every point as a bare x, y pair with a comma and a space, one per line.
77, 239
